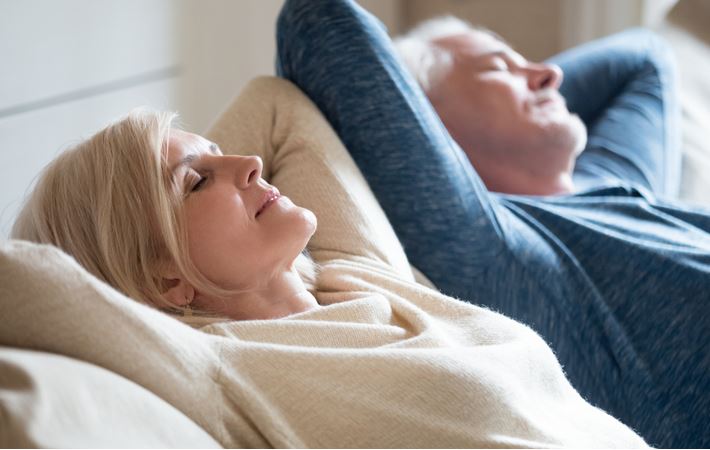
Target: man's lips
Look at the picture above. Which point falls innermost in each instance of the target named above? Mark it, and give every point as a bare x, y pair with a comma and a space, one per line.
549, 97
267, 199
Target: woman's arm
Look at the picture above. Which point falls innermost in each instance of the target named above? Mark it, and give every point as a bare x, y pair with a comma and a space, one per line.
304, 158
48, 302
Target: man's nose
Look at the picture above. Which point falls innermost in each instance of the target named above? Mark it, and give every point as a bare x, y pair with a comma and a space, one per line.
543, 75
248, 171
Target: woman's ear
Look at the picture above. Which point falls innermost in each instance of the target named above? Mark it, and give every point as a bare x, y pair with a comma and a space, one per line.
177, 290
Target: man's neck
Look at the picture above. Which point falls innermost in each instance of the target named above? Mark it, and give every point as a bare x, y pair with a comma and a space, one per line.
508, 179
522, 185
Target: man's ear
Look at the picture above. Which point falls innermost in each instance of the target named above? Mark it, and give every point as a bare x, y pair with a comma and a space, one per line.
177, 290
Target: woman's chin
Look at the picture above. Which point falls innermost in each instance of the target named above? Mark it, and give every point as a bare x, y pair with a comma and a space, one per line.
299, 227
310, 221
306, 219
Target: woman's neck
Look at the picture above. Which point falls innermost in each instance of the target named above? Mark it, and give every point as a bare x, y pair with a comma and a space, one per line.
283, 295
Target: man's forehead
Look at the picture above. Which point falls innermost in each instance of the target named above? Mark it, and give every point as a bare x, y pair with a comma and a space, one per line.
475, 43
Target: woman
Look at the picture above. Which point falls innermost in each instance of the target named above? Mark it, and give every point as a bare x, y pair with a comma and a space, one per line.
165, 217
181, 229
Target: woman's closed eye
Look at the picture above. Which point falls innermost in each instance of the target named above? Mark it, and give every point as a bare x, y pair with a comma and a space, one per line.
194, 182
198, 185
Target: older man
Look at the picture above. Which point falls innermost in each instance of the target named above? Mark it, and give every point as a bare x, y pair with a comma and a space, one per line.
509, 117
614, 279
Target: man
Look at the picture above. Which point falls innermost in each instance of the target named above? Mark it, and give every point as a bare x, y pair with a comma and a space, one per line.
508, 116
616, 281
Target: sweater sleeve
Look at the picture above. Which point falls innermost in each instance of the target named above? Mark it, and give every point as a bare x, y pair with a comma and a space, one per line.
48, 302
305, 159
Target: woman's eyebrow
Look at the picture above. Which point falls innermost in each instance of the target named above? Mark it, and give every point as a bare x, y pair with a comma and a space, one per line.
187, 160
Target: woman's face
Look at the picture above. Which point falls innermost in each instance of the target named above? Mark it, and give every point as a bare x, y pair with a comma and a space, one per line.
241, 231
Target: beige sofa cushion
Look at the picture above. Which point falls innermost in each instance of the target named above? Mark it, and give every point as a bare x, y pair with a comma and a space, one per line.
52, 401
687, 31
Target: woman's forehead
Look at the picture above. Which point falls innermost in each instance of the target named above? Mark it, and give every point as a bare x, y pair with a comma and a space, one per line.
181, 144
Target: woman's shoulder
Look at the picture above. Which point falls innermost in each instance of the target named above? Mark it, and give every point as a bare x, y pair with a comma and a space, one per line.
358, 275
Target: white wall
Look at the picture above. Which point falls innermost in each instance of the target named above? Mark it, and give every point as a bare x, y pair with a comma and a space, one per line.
67, 68
226, 43
71, 66
584, 20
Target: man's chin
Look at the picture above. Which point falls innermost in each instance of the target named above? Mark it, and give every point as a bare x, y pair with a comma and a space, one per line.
566, 136
578, 133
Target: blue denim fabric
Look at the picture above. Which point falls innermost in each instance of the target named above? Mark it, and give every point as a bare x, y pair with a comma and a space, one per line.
615, 280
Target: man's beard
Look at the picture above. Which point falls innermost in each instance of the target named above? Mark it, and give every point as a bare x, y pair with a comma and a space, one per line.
578, 133
572, 134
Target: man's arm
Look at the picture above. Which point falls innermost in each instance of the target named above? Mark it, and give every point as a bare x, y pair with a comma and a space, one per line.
623, 87
342, 58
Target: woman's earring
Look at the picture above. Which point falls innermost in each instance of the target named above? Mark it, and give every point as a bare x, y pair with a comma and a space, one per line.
187, 311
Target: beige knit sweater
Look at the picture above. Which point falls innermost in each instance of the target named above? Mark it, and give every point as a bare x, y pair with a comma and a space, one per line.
385, 362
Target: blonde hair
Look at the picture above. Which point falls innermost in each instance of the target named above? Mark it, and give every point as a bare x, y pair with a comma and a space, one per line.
110, 202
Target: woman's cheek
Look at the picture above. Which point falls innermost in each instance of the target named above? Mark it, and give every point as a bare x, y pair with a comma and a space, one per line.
203, 225
208, 212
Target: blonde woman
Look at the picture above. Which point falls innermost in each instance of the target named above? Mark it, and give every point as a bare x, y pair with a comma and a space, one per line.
368, 358
165, 217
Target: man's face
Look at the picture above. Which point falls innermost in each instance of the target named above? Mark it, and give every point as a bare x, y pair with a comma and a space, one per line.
503, 110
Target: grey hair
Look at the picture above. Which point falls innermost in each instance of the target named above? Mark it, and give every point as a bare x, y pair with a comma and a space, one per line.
426, 61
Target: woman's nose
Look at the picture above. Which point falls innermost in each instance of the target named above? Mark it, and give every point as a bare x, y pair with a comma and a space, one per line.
248, 171
543, 75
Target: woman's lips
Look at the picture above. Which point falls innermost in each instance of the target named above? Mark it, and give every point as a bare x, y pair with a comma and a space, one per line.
270, 196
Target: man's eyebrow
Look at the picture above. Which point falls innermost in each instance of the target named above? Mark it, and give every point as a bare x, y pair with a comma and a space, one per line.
496, 53
503, 53
485, 56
